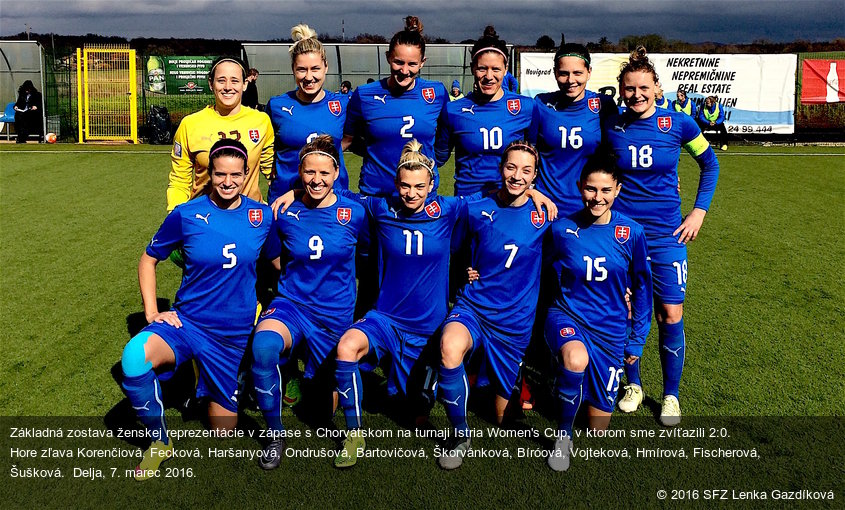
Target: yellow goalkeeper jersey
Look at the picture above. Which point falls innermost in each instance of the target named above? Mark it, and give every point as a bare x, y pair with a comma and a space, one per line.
194, 138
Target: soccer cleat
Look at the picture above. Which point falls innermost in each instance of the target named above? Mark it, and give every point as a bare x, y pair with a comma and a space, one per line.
670, 412
724, 147
558, 458
157, 453
292, 392
453, 456
632, 399
348, 456
271, 455
526, 397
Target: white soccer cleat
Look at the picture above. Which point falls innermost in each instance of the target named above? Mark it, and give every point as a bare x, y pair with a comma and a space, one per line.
453, 456
558, 458
670, 413
632, 399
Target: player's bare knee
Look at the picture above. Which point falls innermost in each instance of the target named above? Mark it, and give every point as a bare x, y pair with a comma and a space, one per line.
574, 356
669, 314
352, 346
453, 348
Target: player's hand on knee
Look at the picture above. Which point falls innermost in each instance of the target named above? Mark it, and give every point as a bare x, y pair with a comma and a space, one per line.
472, 275
170, 317
631, 359
691, 225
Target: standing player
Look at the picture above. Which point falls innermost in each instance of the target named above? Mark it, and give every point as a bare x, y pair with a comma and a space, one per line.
567, 127
648, 143
316, 236
300, 115
494, 315
226, 119
479, 126
600, 253
390, 112
222, 235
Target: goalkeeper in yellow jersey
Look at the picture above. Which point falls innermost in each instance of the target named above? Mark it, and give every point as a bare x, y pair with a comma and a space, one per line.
226, 119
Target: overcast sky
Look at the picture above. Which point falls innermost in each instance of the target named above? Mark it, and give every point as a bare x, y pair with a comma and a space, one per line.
517, 21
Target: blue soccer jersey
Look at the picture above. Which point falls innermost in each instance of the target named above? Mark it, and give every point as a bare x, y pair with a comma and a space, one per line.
387, 123
295, 124
647, 152
414, 260
317, 248
479, 133
506, 245
598, 263
566, 134
221, 249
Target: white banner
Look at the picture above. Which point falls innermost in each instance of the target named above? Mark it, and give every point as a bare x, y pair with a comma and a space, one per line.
757, 91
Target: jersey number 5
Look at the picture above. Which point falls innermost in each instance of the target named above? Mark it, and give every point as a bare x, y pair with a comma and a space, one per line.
233, 259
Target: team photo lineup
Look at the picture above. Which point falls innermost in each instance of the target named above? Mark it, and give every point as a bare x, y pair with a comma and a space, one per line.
563, 235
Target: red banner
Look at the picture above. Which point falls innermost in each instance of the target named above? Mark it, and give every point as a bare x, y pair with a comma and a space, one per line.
823, 81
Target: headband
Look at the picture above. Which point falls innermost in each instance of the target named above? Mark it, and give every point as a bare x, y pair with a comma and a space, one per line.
531, 149
490, 48
420, 163
218, 149
582, 57
211, 72
319, 152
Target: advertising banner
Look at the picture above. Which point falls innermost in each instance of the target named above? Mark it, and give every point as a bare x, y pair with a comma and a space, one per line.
178, 75
822, 81
756, 91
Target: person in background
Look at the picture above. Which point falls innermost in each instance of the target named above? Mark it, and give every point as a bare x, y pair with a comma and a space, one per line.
659, 100
250, 97
685, 104
346, 88
456, 93
28, 112
711, 117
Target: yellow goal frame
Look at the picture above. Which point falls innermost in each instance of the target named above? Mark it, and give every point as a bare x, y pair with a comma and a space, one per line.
106, 93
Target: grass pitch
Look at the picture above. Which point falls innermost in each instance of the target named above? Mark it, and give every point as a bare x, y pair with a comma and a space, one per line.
764, 324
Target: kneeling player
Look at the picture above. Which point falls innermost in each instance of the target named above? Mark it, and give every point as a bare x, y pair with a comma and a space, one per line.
316, 236
494, 315
221, 234
586, 328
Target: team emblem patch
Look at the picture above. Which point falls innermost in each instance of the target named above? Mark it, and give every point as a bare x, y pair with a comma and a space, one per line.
335, 108
253, 135
433, 210
344, 214
177, 149
664, 124
428, 94
567, 332
538, 219
622, 234
256, 216
594, 104
267, 312
514, 106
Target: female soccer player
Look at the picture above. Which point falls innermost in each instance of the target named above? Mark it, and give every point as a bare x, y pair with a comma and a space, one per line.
479, 126
567, 127
300, 115
390, 112
221, 234
316, 293
600, 253
226, 119
494, 315
648, 143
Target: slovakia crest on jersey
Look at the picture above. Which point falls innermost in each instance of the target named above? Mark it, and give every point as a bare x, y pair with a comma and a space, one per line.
664, 124
433, 210
594, 104
344, 214
567, 332
622, 234
253, 135
267, 312
335, 108
256, 216
538, 219
514, 106
428, 94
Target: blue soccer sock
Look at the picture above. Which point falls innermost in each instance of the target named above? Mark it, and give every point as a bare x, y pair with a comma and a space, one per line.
454, 392
632, 373
144, 392
569, 392
672, 352
267, 346
349, 392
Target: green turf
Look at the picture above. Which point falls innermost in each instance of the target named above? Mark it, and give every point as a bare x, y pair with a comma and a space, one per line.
764, 325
